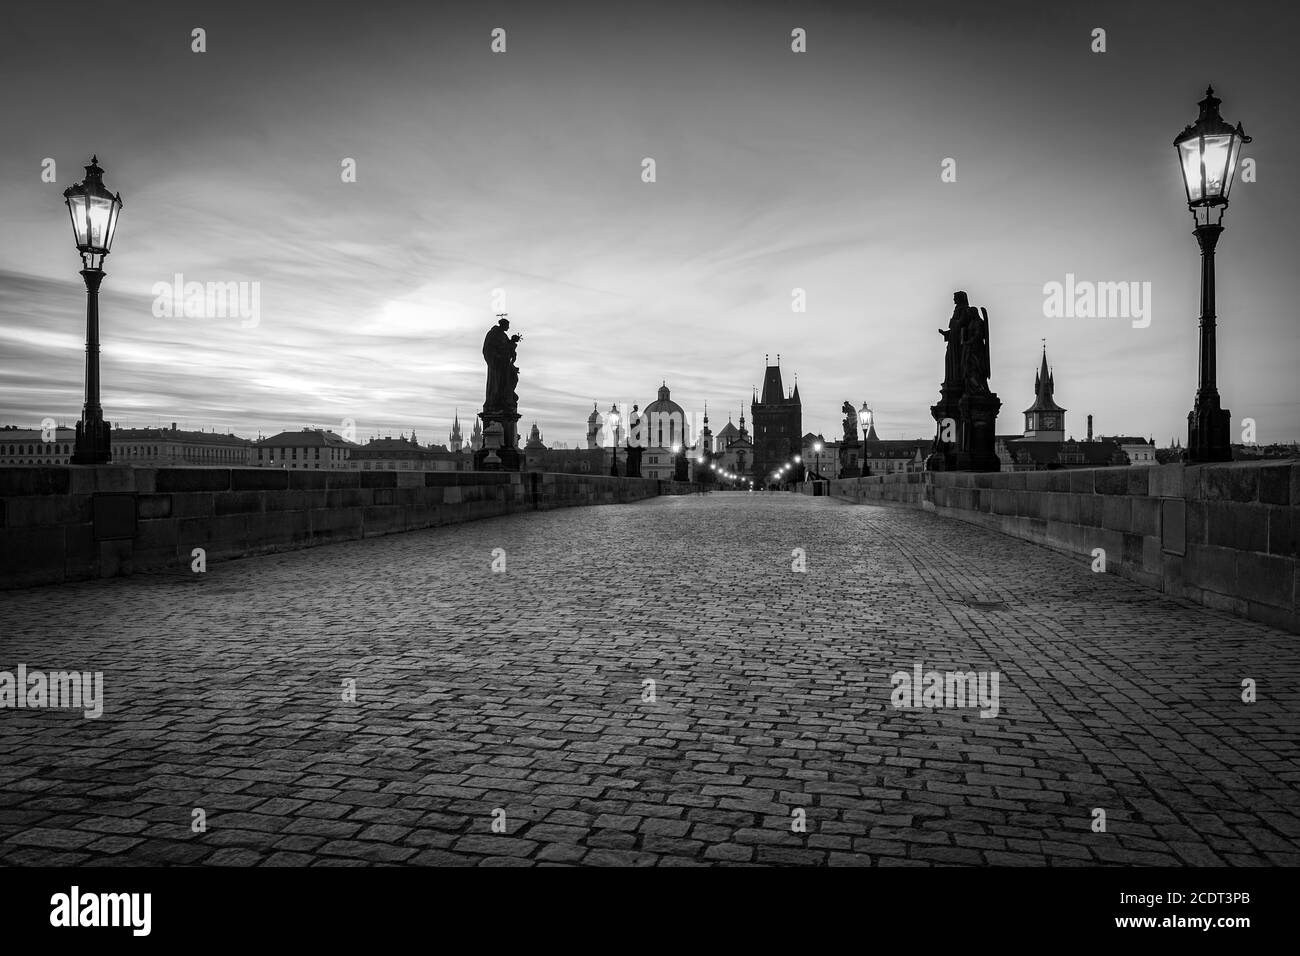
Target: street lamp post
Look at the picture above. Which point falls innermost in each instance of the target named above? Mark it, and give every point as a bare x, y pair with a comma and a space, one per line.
1208, 151
94, 211
865, 419
612, 418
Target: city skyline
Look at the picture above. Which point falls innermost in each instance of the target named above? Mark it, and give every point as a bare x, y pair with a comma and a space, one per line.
769, 168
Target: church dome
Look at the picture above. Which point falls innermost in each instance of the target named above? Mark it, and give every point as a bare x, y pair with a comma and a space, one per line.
665, 421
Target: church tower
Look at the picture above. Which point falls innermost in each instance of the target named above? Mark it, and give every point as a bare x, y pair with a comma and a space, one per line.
454, 441
476, 436
593, 428
1044, 420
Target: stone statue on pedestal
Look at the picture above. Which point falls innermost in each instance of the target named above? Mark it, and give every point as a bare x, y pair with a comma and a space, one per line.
966, 414
500, 402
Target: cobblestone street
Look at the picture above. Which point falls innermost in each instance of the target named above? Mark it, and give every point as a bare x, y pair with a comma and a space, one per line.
520, 696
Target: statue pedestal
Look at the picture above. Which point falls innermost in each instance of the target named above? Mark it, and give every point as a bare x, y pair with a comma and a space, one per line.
977, 428
503, 457
947, 433
849, 467
965, 433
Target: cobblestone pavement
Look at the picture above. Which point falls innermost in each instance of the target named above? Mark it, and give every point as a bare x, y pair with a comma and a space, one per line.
523, 691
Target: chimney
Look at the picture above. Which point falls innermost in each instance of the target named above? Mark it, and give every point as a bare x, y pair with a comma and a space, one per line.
1089, 428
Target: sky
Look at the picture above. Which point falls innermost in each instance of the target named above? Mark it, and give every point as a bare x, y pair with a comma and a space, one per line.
522, 171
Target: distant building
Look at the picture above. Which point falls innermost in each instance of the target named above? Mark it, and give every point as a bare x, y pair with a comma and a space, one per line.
734, 452
1044, 446
454, 440
406, 454
892, 456
820, 457
1044, 420
662, 435
312, 448
1140, 451
567, 461
24, 446
171, 447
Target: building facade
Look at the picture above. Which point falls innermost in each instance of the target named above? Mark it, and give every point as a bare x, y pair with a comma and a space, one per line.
25, 446
311, 448
662, 434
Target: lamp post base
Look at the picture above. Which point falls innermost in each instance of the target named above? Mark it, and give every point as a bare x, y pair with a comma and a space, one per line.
94, 445
1209, 430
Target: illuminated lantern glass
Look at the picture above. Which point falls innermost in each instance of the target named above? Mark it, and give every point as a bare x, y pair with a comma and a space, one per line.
1208, 154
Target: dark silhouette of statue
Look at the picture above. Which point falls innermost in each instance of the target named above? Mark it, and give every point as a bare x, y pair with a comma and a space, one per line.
953, 371
975, 352
966, 414
850, 422
499, 350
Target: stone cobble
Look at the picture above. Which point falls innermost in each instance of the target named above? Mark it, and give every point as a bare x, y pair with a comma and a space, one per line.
506, 719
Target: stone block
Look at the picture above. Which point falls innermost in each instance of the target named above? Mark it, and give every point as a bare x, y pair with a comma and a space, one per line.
1081, 481
337, 522
1133, 551
156, 534
259, 479
1275, 484
281, 528
1165, 481
1117, 512
346, 498
1197, 523
1173, 525
1230, 482
1210, 568
18, 482
1151, 555
236, 502
304, 480
114, 479
1111, 481
192, 505
223, 535
31, 556
47, 510
115, 558
154, 506
1231, 524
1146, 516
1283, 531
293, 500
1265, 578
192, 479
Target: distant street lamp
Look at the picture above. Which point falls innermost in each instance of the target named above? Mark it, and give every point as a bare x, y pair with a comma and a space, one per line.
865, 419
94, 212
613, 420
1208, 151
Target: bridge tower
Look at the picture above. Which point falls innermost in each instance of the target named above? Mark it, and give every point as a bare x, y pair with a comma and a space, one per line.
778, 425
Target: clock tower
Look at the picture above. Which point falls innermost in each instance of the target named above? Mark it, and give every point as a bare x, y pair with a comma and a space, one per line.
1044, 420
